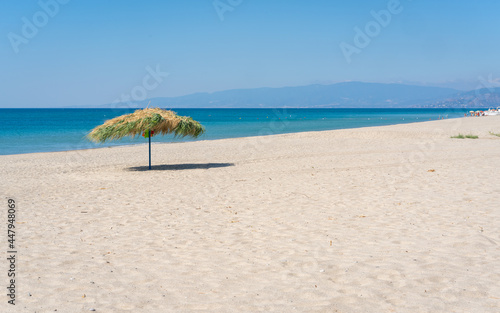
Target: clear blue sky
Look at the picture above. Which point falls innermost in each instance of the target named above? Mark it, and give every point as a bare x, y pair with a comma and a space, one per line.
91, 52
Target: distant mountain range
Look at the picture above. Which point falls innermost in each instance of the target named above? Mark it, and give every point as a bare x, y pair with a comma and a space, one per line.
341, 95
480, 98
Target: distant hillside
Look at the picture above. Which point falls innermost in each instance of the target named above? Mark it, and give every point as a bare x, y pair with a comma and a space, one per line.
481, 98
341, 95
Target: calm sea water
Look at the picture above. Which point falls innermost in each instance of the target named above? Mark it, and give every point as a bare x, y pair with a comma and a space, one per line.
44, 130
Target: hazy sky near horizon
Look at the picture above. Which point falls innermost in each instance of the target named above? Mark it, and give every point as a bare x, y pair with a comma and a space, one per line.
57, 53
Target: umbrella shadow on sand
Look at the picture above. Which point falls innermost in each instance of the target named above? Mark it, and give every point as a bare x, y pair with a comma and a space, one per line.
179, 167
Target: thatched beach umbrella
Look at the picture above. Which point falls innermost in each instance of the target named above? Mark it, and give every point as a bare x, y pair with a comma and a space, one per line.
149, 122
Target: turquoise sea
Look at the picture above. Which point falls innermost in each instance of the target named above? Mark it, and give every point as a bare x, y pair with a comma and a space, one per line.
44, 130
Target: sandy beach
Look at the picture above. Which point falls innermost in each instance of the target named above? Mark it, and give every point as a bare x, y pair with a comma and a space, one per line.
385, 219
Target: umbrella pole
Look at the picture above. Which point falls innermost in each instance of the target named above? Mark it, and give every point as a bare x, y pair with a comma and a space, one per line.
149, 136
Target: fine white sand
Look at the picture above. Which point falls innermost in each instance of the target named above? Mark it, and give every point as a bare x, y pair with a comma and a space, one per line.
386, 219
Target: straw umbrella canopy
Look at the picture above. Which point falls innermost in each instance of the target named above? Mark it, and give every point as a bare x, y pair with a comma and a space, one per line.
149, 122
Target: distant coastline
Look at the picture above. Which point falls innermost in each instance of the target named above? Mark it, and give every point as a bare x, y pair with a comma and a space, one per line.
340, 95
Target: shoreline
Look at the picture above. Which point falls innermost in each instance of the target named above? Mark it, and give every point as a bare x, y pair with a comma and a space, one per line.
312, 131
